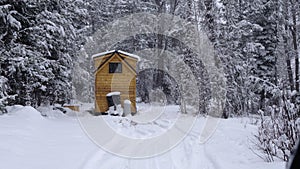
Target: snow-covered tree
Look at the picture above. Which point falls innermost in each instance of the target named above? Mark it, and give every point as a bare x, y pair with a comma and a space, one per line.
3, 95
40, 40
279, 129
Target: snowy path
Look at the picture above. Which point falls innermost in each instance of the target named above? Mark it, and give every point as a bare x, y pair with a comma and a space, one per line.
29, 141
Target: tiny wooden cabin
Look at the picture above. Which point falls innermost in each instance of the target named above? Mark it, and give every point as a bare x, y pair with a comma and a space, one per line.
115, 71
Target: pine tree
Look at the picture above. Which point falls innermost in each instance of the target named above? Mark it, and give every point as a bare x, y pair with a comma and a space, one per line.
3, 94
40, 40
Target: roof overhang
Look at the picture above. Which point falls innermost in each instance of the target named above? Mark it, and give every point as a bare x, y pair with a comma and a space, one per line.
133, 56
112, 53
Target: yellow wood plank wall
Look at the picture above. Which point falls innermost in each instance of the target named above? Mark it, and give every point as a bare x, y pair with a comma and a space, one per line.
106, 82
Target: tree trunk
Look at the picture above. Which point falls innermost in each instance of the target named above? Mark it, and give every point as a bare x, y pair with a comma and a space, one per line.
209, 19
286, 50
295, 45
160, 45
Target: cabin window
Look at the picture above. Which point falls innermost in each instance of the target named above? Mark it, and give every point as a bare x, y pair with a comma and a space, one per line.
115, 68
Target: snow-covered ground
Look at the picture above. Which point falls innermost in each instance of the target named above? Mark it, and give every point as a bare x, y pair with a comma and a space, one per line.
31, 141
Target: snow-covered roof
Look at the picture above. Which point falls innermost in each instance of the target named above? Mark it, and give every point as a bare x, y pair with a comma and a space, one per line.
130, 54
71, 104
103, 53
113, 94
120, 51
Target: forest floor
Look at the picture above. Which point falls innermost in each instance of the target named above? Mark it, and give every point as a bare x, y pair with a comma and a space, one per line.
31, 141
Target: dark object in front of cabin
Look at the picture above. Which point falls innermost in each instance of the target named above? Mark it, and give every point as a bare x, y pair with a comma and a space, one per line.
113, 100
60, 109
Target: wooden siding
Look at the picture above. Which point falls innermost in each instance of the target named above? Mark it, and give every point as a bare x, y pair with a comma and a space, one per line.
73, 107
106, 82
99, 60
